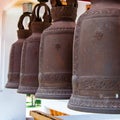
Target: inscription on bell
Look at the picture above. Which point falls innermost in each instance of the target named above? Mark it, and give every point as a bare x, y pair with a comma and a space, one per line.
58, 46
98, 35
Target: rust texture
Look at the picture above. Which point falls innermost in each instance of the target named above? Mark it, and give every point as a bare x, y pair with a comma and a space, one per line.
15, 53
96, 65
30, 51
55, 58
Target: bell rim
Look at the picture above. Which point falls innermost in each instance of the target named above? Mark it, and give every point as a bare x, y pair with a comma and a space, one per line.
50, 93
27, 90
95, 110
74, 105
12, 85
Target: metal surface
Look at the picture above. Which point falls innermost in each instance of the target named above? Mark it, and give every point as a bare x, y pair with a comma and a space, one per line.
30, 51
55, 60
96, 65
15, 54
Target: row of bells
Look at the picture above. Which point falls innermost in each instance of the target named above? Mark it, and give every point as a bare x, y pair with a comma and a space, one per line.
56, 60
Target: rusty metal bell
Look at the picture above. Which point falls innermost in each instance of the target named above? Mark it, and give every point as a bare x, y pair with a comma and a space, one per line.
96, 65
30, 52
55, 58
15, 54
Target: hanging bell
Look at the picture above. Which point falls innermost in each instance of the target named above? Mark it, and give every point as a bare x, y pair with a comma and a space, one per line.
96, 65
55, 58
15, 55
30, 52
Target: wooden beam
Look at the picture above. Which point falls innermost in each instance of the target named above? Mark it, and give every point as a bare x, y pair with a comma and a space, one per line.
38, 115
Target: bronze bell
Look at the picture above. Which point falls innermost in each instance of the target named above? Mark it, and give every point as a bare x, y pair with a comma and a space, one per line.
15, 55
55, 58
30, 51
96, 65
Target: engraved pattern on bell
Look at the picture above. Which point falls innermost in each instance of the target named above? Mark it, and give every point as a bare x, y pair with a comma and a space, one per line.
30, 51
15, 53
96, 65
55, 58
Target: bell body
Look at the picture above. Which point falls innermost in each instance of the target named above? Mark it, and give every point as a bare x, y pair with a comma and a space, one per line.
15, 59
30, 59
96, 65
55, 59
